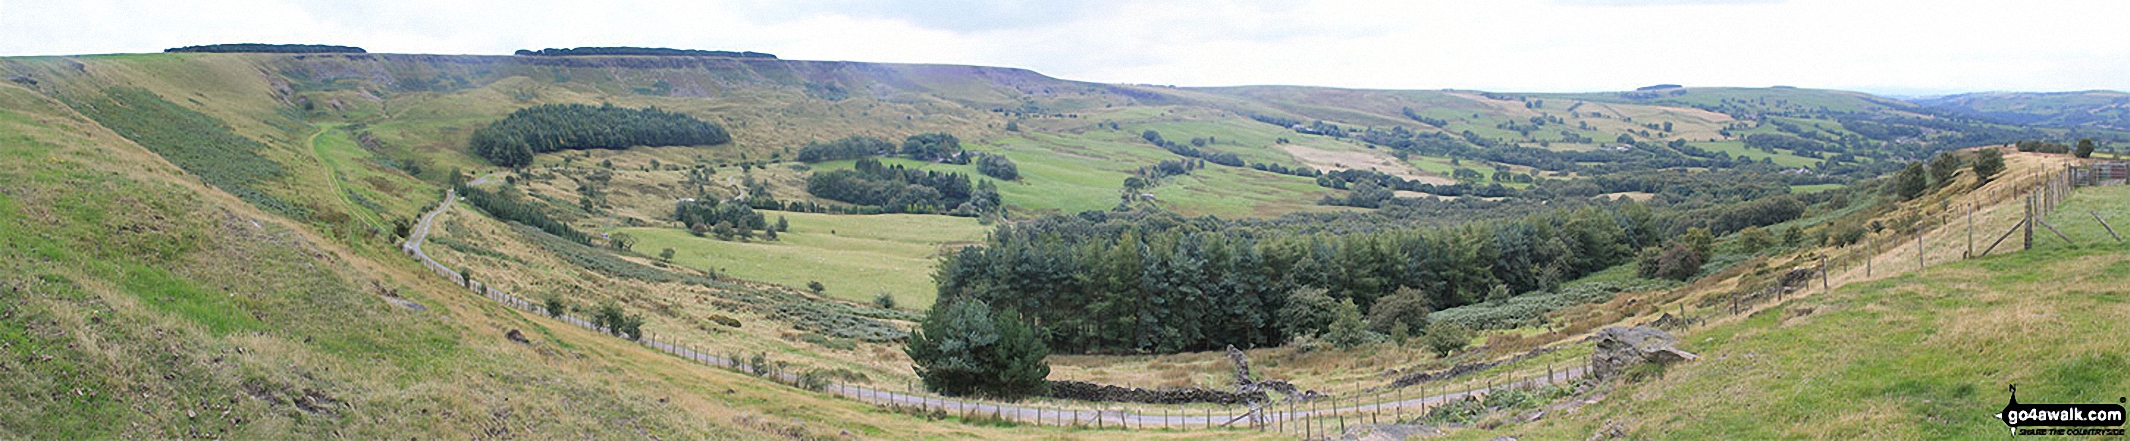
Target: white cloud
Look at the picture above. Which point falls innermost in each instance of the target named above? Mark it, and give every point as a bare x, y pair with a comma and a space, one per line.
1522, 45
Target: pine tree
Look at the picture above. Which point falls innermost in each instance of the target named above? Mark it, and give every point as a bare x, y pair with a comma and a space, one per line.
963, 349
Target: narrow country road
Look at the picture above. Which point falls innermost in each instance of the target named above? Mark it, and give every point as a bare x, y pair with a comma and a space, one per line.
1272, 414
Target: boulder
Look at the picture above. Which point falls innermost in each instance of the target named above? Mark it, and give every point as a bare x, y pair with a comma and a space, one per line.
1619, 348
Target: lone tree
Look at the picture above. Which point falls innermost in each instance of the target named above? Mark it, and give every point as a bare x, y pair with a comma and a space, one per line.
1348, 329
1911, 182
1308, 312
1446, 337
1943, 167
963, 349
1988, 162
2085, 148
1408, 307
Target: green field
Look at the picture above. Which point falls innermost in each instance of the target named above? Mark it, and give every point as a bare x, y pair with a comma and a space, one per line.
1738, 148
856, 257
1813, 188
1065, 173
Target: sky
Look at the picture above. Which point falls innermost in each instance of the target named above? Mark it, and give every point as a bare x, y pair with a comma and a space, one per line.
1906, 48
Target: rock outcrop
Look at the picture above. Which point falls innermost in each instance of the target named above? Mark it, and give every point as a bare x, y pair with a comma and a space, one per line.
1620, 348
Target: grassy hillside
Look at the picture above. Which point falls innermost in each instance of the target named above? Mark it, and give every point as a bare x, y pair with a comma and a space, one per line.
1906, 353
142, 303
856, 257
199, 245
2093, 109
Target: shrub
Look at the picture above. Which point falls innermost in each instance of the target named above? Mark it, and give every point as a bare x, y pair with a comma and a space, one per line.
1444, 337
555, 307
1678, 263
725, 320
1753, 239
841, 344
815, 286
884, 301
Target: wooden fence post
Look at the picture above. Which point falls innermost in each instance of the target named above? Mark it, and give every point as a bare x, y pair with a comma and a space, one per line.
2104, 224
2027, 240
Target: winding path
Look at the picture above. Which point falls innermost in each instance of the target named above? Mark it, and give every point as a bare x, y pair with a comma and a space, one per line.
1265, 418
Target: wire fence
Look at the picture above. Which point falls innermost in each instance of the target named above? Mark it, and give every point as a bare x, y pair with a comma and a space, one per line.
1943, 233
1309, 419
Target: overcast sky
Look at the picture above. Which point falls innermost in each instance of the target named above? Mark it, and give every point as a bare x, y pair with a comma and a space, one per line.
1897, 47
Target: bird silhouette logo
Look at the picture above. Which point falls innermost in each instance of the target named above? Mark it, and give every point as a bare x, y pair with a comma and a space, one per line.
2016, 415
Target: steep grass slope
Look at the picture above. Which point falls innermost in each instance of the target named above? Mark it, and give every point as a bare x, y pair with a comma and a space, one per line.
141, 299
1918, 354
142, 303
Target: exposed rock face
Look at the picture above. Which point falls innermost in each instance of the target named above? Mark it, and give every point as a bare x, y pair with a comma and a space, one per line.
1619, 348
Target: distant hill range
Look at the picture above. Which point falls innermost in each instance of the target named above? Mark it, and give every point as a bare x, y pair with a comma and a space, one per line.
2093, 109
269, 49
651, 51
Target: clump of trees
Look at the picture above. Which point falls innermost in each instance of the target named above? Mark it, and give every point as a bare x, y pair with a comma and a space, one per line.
1192, 151
610, 316
2042, 147
852, 147
934, 147
892, 187
965, 348
512, 141
508, 205
726, 220
998, 167
1157, 282
268, 49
